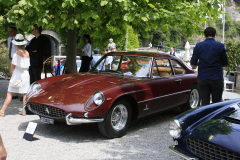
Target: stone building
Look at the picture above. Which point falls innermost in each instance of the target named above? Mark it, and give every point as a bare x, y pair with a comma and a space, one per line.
56, 46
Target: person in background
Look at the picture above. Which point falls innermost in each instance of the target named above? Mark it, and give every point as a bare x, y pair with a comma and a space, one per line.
163, 46
3, 152
36, 51
113, 49
12, 33
105, 51
172, 52
211, 57
96, 57
19, 73
160, 45
150, 45
85, 53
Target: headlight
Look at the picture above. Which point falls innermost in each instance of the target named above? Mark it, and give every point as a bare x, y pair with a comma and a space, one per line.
98, 98
94, 101
32, 89
174, 128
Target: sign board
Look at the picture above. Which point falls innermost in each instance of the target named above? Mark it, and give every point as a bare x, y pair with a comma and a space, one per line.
30, 131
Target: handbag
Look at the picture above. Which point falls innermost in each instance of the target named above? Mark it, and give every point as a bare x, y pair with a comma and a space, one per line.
15, 83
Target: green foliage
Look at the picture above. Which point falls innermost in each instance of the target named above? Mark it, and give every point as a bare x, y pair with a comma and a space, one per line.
4, 70
107, 19
90, 15
170, 36
132, 39
233, 53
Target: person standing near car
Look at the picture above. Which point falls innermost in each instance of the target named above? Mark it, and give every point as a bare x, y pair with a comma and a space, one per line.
96, 57
12, 48
19, 82
36, 50
85, 53
210, 56
172, 52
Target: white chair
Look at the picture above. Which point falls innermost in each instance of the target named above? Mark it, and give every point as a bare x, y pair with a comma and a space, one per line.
227, 82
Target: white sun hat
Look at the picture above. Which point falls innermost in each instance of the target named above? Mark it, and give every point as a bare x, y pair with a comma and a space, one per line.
19, 40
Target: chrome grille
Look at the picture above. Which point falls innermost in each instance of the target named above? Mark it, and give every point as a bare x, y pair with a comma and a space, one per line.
46, 111
209, 151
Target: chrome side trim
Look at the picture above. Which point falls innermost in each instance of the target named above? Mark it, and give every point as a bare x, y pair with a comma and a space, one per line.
172, 148
24, 110
165, 96
75, 121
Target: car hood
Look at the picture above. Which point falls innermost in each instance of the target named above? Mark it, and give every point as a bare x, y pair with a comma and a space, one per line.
224, 132
88, 83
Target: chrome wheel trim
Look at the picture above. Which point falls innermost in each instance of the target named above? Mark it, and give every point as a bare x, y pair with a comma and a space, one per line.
119, 117
194, 98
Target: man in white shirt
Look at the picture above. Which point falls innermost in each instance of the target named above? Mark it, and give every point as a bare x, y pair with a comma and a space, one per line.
172, 52
96, 57
12, 48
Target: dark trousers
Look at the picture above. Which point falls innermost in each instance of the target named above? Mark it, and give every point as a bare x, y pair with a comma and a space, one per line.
210, 87
35, 73
85, 64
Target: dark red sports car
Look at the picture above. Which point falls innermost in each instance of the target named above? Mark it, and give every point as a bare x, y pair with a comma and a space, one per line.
112, 95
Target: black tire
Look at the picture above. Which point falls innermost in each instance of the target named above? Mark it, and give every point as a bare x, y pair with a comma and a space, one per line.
117, 121
194, 98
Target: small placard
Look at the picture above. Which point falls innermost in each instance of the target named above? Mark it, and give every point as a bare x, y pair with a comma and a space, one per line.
30, 131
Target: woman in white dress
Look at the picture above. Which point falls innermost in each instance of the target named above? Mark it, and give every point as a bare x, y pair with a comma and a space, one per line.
19, 73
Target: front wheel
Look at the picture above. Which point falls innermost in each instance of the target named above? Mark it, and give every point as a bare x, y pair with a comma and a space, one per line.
194, 98
117, 121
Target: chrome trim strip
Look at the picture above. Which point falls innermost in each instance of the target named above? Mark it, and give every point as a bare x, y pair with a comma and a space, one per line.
24, 110
172, 148
165, 96
75, 121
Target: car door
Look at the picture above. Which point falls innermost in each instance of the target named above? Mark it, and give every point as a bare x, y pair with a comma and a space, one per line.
183, 82
165, 86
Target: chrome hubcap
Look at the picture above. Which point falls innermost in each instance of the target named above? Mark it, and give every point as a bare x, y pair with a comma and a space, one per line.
119, 117
194, 98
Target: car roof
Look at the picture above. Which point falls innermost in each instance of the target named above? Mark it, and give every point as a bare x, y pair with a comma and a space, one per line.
137, 53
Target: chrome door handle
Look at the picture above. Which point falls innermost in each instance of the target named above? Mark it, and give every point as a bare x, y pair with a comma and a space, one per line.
178, 80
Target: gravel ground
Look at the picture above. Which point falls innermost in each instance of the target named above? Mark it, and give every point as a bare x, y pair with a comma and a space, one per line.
146, 138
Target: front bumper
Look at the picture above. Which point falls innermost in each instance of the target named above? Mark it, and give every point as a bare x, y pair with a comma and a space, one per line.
182, 153
74, 121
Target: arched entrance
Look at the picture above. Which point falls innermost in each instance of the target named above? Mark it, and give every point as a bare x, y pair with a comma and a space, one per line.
56, 47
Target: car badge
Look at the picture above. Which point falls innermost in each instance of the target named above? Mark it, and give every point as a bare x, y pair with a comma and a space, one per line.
50, 97
47, 110
146, 108
210, 137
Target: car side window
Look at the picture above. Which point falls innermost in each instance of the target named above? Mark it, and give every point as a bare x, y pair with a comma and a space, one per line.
177, 67
162, 68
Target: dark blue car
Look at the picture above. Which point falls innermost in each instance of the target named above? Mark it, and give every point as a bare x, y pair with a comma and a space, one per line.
210, 132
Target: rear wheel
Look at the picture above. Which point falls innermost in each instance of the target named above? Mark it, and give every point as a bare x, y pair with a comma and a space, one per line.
117, 121
194, 98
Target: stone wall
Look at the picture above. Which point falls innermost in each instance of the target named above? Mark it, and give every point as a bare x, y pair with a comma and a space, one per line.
56, 46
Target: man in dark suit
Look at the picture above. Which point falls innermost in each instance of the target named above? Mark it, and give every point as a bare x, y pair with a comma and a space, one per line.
211, 57
172, 52
36, 50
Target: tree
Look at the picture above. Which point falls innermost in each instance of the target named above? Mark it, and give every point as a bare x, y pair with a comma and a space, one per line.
97, 16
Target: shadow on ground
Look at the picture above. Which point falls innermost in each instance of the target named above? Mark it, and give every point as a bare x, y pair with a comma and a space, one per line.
89, 132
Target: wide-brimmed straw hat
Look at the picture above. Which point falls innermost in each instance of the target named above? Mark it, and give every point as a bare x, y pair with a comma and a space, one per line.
19, 40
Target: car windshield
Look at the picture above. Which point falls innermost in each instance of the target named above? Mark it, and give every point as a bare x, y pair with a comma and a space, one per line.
126, 65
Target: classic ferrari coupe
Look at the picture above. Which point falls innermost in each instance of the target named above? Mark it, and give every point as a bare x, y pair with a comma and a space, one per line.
119, 88
208, 132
